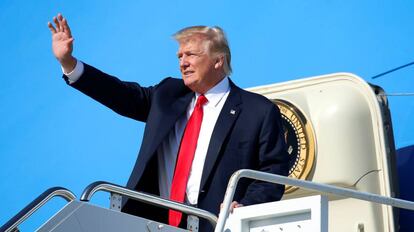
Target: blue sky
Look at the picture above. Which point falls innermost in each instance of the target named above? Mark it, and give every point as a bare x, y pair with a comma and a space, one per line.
51, 135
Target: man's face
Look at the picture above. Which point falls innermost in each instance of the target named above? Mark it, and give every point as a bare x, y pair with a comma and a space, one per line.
199, 70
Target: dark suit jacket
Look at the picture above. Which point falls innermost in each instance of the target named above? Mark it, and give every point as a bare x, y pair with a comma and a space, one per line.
247, 134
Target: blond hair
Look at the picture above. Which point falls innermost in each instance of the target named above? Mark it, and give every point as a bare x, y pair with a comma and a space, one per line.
215, 38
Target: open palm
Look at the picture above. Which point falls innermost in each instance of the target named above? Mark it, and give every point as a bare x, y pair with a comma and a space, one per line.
62, 40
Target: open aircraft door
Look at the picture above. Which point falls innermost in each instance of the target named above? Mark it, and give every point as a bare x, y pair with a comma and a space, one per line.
338, 129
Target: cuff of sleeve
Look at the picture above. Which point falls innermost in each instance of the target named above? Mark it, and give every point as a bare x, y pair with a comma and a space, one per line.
76, 73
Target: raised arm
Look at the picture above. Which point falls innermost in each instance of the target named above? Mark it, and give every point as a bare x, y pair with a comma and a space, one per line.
62, 43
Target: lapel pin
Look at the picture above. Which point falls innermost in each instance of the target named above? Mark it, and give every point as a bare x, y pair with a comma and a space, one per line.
232, 112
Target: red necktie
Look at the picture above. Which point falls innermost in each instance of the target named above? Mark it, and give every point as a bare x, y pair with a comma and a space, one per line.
185, 158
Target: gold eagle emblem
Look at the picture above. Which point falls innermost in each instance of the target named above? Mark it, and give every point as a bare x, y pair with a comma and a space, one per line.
299, 137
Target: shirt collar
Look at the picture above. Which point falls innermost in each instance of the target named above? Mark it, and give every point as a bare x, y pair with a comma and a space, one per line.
215, 94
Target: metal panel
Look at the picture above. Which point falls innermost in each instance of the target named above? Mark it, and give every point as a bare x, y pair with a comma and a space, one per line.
85, 217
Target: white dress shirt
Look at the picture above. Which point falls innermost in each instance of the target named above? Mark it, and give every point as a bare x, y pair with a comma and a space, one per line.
76, 73
167, 152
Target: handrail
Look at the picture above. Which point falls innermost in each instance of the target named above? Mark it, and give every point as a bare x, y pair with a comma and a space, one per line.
27, 211
147, 198
323, 188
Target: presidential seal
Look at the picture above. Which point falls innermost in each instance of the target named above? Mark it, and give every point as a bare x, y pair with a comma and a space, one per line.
300, 141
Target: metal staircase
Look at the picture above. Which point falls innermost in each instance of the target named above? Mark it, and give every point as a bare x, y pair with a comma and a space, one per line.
80, 215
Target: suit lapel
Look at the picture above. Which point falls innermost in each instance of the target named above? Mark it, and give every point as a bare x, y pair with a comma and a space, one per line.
158, 127
167, 122
225, 121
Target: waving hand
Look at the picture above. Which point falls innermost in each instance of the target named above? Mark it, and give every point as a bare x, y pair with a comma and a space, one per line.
62, 43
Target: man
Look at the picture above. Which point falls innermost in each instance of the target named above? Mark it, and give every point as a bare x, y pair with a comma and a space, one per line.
199, 130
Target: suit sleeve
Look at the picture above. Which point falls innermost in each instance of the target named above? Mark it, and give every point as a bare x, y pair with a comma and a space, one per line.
272, 158
126, 98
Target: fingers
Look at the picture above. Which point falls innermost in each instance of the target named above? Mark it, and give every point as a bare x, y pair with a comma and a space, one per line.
233, 205
60, 19
66, 27
51, 28
61, 25
238, 205
57, 23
